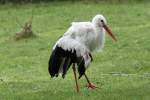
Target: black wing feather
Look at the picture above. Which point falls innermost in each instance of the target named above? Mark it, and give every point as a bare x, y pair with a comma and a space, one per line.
81, 67
54, 63
57, 57
66, 66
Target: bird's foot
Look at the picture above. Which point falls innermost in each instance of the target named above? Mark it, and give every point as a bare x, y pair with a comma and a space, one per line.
91, 86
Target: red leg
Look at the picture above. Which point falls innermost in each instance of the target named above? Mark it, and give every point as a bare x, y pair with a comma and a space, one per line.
90, 85
75, 76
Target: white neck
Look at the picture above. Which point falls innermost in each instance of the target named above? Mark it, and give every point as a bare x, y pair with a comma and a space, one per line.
100, 38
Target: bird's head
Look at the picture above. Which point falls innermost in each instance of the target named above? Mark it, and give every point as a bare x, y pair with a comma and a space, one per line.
100, 21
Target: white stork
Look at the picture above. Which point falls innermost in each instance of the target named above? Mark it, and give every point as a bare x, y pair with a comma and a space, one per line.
75, 47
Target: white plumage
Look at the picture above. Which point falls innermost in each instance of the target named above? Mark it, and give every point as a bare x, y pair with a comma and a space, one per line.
76, 45
70, 44
90, 34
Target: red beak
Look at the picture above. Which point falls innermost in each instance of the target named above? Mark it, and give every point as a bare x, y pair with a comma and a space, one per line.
109, 32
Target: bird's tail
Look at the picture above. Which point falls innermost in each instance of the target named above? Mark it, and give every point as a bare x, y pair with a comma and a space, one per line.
65, 52
59, 62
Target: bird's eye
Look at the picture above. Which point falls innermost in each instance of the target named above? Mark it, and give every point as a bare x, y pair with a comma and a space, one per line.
102, 21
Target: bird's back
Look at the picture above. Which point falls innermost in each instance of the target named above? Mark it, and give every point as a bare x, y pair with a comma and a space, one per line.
83, 32
80, 29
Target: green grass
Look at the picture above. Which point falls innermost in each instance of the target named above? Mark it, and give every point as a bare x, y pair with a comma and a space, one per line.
122, 70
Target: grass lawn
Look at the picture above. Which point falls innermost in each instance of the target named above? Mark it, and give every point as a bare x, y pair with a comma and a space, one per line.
121, 70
